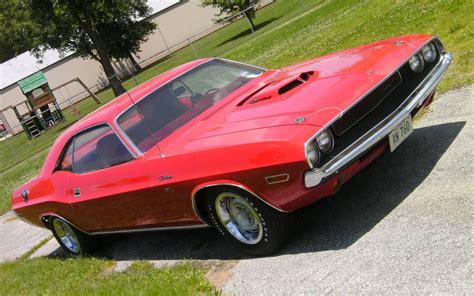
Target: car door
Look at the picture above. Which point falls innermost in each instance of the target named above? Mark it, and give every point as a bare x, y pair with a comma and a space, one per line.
172, 204
109, 187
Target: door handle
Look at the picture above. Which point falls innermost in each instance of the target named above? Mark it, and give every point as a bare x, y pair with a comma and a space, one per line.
76, 192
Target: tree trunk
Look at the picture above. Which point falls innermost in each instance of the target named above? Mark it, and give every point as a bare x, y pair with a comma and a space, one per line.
104, 57
138, 68
115, 84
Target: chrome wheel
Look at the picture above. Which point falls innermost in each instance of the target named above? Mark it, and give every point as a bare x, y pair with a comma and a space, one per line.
67, 236
239, 217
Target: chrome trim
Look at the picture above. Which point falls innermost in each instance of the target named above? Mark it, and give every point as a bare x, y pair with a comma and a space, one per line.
60, 217
122, 141
193, 197
112, 128
276, 176
125, 230
440, 48
151, 229
123, 133
315, 176
61, 155
241, 63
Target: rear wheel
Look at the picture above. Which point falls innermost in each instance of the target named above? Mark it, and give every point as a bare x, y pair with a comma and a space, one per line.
74, 242
252, 226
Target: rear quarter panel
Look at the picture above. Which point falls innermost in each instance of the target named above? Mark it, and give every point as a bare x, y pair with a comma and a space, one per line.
46, 194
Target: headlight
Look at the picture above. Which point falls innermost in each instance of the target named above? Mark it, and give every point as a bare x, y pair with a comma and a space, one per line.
429, 52
416, 63
312, 154
325, 141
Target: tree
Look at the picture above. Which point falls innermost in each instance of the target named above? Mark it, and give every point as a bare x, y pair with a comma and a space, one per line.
229, 7
93, 29
125, 36
18, 33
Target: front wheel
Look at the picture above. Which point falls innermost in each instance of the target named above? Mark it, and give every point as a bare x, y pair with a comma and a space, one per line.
251, 225
71, 240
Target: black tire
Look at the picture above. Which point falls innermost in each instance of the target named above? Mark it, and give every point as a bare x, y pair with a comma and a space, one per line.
86, 243
275, 226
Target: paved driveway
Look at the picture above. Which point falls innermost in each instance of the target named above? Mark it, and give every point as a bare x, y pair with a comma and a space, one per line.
404, 225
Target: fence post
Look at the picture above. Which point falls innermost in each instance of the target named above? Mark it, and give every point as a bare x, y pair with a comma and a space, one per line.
14, 153
164, 40
192, 47
134, 78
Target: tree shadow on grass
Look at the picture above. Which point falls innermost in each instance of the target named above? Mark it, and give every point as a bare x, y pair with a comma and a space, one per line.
331, 224
249, 31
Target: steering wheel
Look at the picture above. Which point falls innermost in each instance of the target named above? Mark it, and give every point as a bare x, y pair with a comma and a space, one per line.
211, 91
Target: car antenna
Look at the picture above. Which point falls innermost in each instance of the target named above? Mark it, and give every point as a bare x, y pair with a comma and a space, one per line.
129, 96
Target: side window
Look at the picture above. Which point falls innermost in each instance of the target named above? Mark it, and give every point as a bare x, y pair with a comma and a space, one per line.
132, 123
66, 161
94, 149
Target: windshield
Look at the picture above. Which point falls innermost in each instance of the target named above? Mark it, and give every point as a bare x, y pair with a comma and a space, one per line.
175, 103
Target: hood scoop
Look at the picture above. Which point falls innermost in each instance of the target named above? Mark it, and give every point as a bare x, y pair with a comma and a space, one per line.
275, 89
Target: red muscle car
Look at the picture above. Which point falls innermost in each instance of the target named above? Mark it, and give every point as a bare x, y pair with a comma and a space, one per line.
238, 147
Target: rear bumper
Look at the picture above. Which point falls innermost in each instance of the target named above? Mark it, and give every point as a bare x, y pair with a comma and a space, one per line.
315, 176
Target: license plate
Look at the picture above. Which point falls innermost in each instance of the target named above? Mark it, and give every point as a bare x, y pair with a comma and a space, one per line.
400, 133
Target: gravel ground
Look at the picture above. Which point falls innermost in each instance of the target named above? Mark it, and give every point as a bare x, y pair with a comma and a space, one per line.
404, 225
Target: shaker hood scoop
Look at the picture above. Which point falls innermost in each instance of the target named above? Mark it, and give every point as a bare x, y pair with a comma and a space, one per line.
277, 89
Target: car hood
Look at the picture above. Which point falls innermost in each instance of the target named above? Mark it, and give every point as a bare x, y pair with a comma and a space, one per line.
309, 93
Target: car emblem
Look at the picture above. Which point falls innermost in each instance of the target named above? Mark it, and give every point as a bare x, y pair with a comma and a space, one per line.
299, 120
164, 178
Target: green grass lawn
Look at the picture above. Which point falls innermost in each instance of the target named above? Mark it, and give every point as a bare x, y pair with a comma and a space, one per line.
17, 175
45, 276
288, 32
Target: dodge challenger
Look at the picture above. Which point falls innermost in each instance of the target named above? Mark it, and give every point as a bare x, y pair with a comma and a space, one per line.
221, 143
